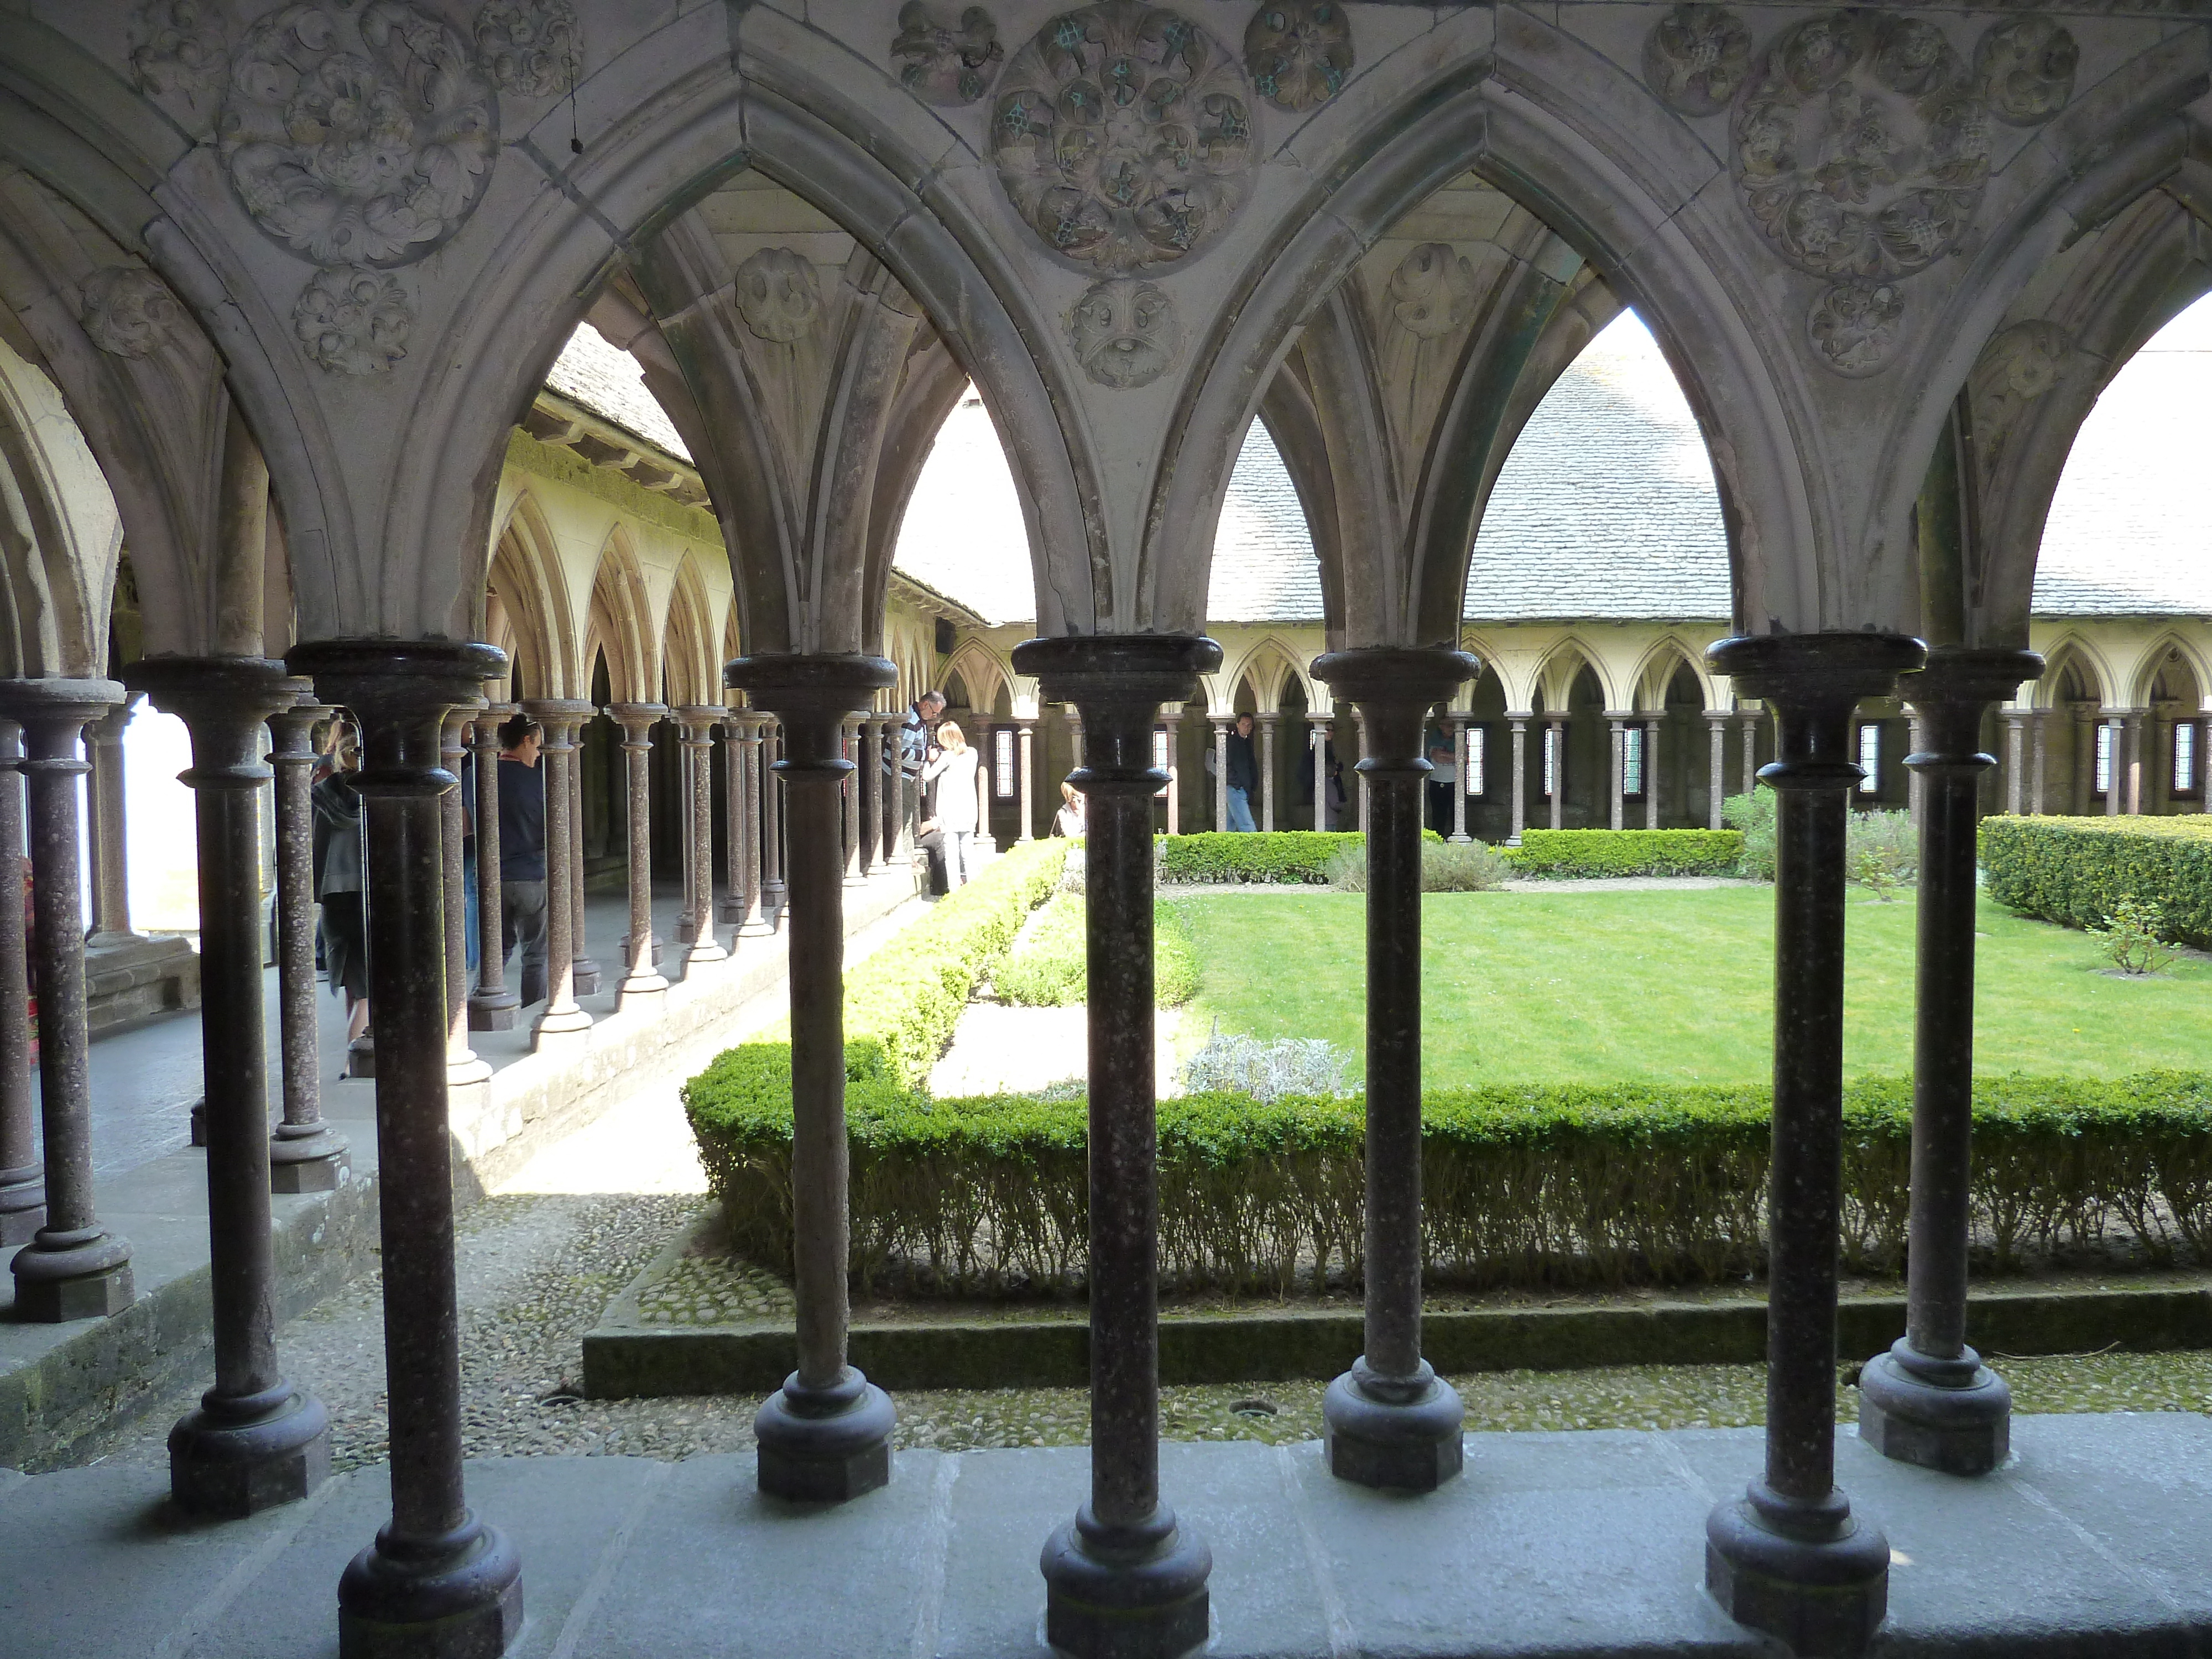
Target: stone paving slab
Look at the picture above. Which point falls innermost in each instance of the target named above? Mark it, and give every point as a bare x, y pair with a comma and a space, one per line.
2090, 1544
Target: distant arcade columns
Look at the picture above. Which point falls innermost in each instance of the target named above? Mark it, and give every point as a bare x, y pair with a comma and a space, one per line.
1221, 729
1788, 1557
640, 972
1617, 725
22, 1173
1650, 779
746, 725
558, 718
73, 1267
1171, 720
1390, 1421
1518, 723
771, 821
1025, 757
305, 1154
492, 1005
462, 1066
1267, 723
1750, 718
1317, 737
867, 782
1461, 774
1929, 1400
1716, 767
582, 970
107, 832
825, 1435
2015, 724
436, 1581
1122, 1578
1555, 763
697, 722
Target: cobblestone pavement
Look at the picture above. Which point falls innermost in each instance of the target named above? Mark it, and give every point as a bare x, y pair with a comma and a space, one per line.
537, 1269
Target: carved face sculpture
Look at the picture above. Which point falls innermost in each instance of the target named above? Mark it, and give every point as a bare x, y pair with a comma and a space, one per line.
1432, 291
127, 312
778, 295
1125, 333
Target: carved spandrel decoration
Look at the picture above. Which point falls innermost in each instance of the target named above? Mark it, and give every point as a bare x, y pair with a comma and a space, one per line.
128, 311
2026, 66
1125, 332
1122, 133
530, 48
1853, 328
1431, 293
1696, 57
180, 58
358, 132
2015, 369
1298, 52
1862, 146
947, 65
778, 295
355, 321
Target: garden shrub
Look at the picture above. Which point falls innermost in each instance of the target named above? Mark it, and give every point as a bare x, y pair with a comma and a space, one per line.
1882, 851
1266, 1068
1531, 1186
2133, 938
1464, 868
1628, 852
1048, 968
1752, 815
1294, 856
2076, 871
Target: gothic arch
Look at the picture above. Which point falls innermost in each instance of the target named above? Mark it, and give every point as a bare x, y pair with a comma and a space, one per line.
61, 536
982, 673
2072, 649
2170, 642
1562, 662
525, 573
1655, 671
689, 671
619, 624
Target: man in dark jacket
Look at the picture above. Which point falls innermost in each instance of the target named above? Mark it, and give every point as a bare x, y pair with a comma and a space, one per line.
523, 917
917, 746
1244, 775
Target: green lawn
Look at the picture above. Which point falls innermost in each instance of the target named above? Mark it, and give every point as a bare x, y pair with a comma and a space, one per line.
1676, 985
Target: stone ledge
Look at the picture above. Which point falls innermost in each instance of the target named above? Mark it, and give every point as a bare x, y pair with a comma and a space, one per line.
1570, 1545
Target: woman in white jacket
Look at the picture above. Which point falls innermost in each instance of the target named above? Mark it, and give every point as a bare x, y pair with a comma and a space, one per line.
953, 772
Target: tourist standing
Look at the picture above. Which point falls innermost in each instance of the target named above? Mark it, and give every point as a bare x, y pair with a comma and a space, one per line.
953, 773
340, 858
1244, 775
1442, 776
523, 917
1068, 821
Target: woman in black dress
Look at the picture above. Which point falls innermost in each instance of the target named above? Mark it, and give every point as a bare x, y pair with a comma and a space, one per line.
339, 863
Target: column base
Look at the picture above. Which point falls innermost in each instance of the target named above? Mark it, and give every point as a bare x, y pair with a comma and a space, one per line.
705, 948
463, 1074
641, 985
60, 1277
1808, 1574
233, 1458
585, 975
22, 1203
1459, 841
825, 1445
1132, 1593
494, 1011
360, 1056
626, 952
455, 1597
1952, 1416
757, 927
307, 1158
558, 1023
1398, 1434
196, 1132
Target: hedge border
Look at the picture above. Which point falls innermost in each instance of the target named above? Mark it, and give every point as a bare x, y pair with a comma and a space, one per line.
2073, 871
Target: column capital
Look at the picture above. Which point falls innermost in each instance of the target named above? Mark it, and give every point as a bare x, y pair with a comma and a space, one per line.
1954, 674
1095, 669
400, 691
292, 726
459, 715
223, 702
637, 718
1392, 679
560, 716
698, 720
35, 701
1806, 668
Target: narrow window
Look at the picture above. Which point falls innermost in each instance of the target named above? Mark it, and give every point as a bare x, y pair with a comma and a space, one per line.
1476, 760
1002, 762
2187, 734
1551, 760
2103, 779
1871, 758
1632, 761
1160, 755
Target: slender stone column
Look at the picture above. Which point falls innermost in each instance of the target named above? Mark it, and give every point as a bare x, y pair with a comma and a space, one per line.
687, 918
826, 1434
2016, 745
1751, 751
22, 1175
491, 1005
1618, 726
1359, 778
640, 972
1220, 773
1317, 735
1122, 1578
253, 1442
108, 837
698, 722
1025, 769
771, 822
1788, 1558
1556, 728
1266, 770
1520, 726
2115, 780
848, 795
1172, 719
868, 784
896, 816
437, 1582
2039, 737
583, 972
1915, 791
1462, 776
1390, 1421
561, 1015
1929, 1400
73, 1267
462, 1066
733, 909
1651, 729
984, 843
2132, 726
1075, 718
1716, 767
745, 777
305, 1154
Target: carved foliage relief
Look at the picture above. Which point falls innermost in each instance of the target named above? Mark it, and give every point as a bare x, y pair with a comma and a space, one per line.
778, 295
1298, 52
944, 65
180, 58
128, 311
1125, 332
2026, 69
2014, 369
1432, 291
530, 48
1695, 58
357, 134
354, 321
1122, 133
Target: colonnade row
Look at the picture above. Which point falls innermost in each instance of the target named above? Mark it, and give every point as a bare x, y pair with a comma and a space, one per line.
1122, 1576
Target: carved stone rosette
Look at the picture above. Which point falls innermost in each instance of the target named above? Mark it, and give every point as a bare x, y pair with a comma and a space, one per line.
1696, 57
1432, 291
359, 132
180, 58
947, 65
1122, 133
530, 48
1125, 332
1853, 328
1298, 52
2025, 68
128, 311
353, 322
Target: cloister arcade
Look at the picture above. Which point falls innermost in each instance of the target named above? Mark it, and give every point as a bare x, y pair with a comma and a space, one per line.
282, 291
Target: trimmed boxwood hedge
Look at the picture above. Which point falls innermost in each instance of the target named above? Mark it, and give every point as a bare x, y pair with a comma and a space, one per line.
1627, 851
1522, 1186
1298, 857
2073, 871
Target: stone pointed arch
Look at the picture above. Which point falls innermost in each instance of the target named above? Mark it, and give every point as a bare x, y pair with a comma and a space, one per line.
2074, 648
1270, 665
690, 671
1508, 669
2172, 642
61, 536
526, 576
1562, 662
620, 623
1655, 671
982, 671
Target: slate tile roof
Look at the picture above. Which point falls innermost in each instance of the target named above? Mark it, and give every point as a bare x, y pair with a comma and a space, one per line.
606, 380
